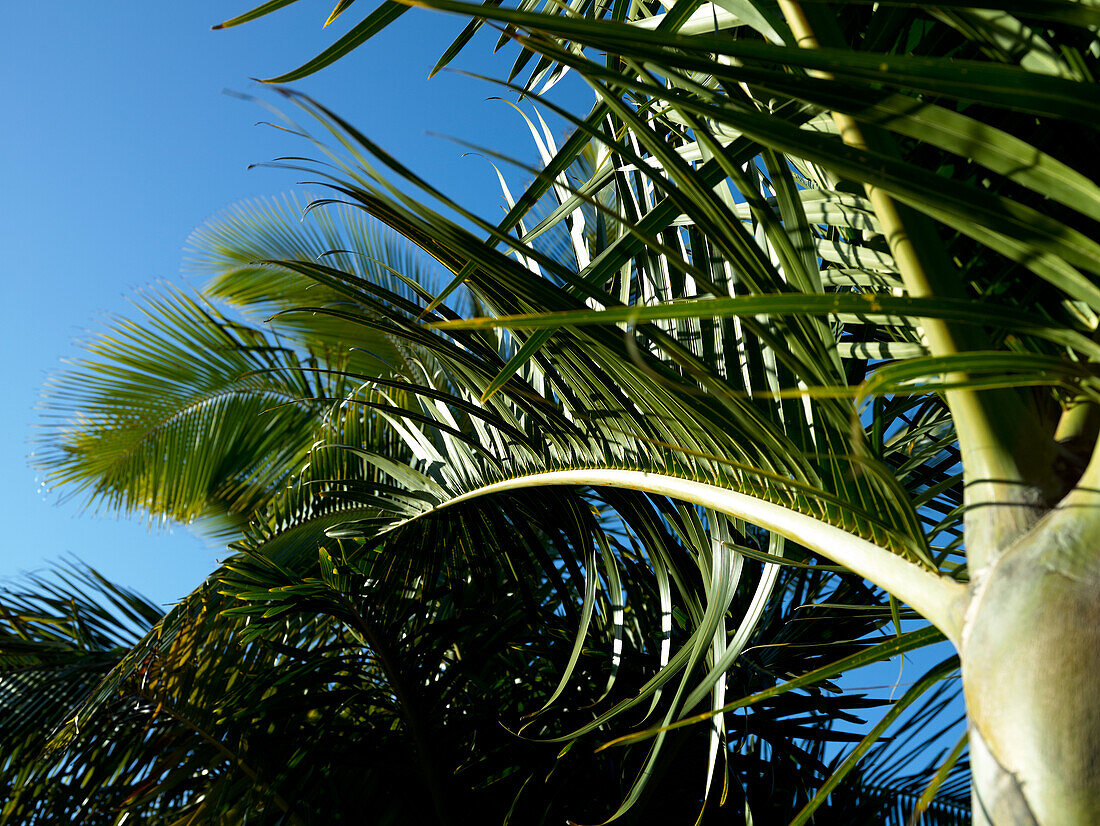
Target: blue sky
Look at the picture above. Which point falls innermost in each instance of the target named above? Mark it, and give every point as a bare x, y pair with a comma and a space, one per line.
118, 142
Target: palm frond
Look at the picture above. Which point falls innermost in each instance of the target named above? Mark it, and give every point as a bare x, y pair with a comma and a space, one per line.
124, 422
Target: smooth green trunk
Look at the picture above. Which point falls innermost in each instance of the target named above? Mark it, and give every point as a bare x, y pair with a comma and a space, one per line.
1031, 673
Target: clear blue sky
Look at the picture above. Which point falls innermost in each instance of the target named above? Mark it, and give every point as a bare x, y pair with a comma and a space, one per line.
118, 141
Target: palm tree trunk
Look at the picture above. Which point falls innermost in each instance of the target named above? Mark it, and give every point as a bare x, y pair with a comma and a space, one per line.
1030, 643
1030, 649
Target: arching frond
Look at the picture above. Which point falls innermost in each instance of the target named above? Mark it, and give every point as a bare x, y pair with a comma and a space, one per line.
183, 414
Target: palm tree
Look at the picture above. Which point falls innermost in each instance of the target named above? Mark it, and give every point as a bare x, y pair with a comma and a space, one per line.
822, 309
916, 188
165, 730
379, 672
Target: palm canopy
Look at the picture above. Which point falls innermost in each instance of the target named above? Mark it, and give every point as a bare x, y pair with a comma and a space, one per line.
716, 330
299, 592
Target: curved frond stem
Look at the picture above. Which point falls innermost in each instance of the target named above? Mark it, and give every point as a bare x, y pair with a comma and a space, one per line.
1085, 497
937, 598
1078, 427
